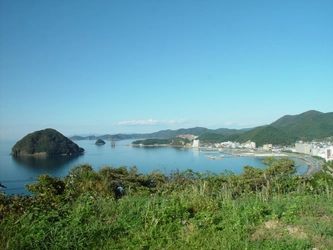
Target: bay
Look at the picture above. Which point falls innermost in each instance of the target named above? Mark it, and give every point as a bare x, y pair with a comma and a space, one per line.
15, 172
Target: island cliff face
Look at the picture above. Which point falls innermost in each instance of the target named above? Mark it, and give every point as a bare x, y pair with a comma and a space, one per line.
46, 142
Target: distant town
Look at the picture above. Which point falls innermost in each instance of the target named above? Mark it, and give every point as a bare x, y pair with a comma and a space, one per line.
323, 149
304, 135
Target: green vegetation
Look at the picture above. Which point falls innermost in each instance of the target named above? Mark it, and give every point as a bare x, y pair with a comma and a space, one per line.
260, 135
99, 142
267, 134
306, 126
47, 141
212, 137
284, 131
259, 209
151, 142
176, 142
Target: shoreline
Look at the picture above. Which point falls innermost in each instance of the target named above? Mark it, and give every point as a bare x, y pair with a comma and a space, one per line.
314, 165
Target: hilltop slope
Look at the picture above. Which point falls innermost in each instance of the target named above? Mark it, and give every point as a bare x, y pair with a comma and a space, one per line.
284, 131
306, 126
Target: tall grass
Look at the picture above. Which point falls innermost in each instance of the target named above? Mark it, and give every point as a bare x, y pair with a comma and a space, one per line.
185, 210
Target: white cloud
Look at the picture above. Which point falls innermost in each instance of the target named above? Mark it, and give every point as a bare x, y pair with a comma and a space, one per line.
149, 122
138, 122
228, 123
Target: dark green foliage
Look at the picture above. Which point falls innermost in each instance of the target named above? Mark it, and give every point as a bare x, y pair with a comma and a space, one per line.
176, 142
267, 135
234, 137
172, 142
48, 141
149, 142
173, 133
99, 142
288, 120
47, 186
212, 137
285, 131
307, 126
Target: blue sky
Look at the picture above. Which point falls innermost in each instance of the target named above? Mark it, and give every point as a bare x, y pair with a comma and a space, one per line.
112, 66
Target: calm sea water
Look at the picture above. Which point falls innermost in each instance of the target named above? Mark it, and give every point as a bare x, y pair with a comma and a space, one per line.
15, 172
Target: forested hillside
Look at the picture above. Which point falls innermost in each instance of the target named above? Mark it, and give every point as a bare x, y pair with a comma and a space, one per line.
284, 131
307, 126
47, 141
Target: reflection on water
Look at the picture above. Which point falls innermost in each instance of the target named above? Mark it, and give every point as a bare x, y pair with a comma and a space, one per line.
44, 162
20, 170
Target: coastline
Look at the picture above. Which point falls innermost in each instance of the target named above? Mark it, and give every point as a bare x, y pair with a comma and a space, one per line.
44, 154
314, 165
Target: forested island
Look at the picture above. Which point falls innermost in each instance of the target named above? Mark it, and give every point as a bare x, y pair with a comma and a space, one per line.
100, 142
175, 142
45, 142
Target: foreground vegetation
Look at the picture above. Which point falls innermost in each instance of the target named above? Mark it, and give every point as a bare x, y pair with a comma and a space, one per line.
268, 208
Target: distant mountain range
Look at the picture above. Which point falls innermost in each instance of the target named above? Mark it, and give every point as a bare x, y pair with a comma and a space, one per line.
284, 131
163, 134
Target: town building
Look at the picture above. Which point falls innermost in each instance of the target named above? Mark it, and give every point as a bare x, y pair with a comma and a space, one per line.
267, 147
304, 148
196, 143
321, 149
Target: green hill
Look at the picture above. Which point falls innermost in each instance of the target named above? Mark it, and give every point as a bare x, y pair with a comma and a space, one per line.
212, 137
167, 134
48, 142
267, 135
284, 131
260, 135
306, 126
295, 119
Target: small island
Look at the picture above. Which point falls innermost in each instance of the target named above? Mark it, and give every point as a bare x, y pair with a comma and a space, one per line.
45, 142
173, 142
99, 142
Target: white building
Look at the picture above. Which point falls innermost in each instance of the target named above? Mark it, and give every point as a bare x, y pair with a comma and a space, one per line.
249, 145
267, 147
195, 143
304, 148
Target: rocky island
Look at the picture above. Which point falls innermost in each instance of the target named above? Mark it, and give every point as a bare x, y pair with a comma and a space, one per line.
99, 142
45, 142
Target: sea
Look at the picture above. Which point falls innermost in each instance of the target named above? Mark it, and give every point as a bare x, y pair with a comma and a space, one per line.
16, 172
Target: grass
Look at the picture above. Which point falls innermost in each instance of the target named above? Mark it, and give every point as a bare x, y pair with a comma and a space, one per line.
176, 212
